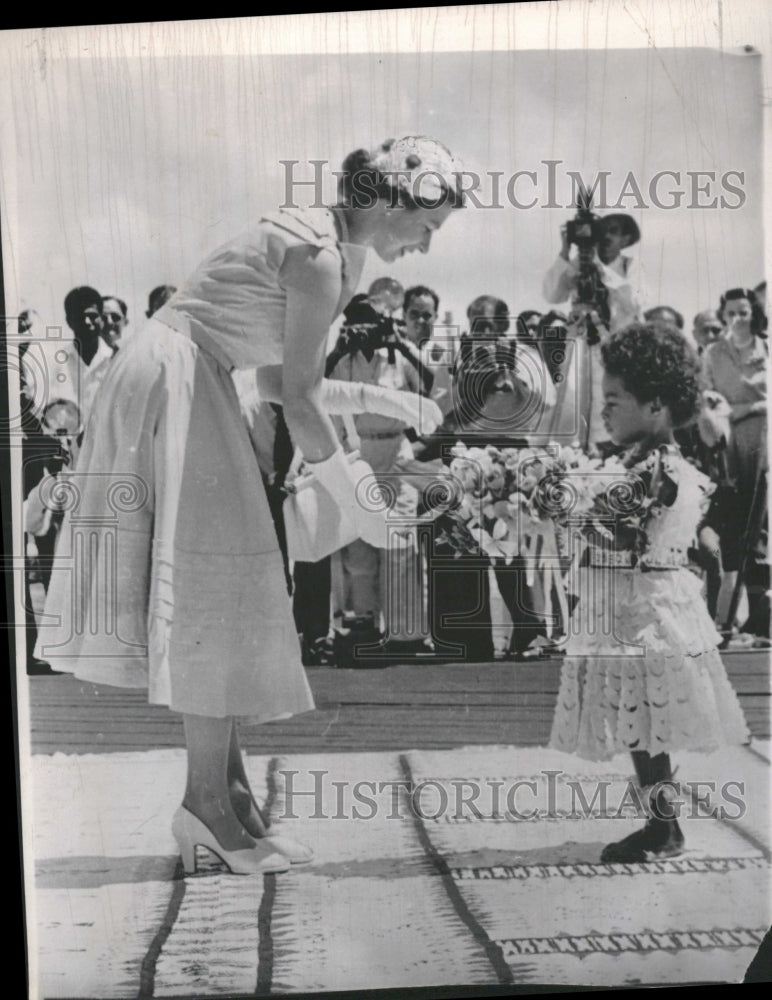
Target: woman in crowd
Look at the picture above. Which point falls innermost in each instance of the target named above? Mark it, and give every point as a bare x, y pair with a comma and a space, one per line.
201, 611
735, 366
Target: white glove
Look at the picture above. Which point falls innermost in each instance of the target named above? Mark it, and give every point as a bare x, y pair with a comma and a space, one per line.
713, 421
356, 397
417, 411
334, 473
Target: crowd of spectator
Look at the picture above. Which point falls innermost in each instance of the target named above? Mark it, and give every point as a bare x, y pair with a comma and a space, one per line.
59, 378
508, 379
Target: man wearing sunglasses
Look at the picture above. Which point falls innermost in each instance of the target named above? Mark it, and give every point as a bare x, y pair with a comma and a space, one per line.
435, 347
115, 319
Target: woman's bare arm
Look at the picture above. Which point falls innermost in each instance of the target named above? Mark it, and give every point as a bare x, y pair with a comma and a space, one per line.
312, 279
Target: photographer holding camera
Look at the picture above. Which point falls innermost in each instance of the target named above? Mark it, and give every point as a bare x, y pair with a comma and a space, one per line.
502, 393
605, 290
618, 274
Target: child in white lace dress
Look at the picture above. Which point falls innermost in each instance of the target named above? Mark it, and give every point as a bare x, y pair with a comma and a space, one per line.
643, 673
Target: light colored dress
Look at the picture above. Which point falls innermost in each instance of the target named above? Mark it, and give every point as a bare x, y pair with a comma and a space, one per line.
742, 381
643, 671
168, 574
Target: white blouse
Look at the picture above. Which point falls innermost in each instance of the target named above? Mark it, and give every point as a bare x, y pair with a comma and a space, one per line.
237, 297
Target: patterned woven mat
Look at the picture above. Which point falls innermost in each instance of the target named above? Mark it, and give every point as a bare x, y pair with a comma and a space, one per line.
477, 866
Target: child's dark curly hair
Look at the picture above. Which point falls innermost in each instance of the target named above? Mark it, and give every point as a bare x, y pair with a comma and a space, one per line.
655, 362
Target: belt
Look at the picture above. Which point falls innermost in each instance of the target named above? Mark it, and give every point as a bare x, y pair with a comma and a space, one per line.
383, 436
191, 328
611, 559
628, 560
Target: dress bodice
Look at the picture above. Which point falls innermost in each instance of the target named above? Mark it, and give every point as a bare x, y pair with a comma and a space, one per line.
236, 297
739, 378
671, 523
672, 530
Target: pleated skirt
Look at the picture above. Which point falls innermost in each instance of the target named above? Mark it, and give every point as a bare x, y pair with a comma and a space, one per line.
167, 573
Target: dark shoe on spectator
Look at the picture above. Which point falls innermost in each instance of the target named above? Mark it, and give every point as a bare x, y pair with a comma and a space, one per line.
555, 646
318, 652
357, 643
541, 648
408, 650
38, 668
524, 655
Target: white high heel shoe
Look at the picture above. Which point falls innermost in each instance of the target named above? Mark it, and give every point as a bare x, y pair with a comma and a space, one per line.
295, 852
190, 832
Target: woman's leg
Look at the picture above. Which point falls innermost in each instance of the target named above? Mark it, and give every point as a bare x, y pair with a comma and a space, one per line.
207, 793
248, 811
242, 799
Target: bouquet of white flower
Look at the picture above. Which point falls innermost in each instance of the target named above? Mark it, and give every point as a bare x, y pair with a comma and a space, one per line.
510, 495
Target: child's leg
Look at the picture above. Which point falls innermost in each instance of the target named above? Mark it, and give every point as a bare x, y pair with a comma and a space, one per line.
661, 836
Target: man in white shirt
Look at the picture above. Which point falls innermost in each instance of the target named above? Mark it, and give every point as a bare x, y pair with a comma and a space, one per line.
59, 369
83, 311
60, 379
620, 274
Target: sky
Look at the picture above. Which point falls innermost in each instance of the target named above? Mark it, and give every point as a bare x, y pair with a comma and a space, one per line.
130, 169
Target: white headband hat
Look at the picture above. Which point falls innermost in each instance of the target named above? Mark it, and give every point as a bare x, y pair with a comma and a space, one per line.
420, 166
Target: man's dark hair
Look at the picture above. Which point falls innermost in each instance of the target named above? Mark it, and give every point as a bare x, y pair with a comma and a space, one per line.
79, 299
160, 295
658, 314
499, 322
415, 292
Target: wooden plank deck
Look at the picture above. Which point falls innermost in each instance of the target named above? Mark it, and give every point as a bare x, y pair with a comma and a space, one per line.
392, 708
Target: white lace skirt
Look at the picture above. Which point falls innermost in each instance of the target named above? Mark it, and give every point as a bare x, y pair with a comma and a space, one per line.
643, 671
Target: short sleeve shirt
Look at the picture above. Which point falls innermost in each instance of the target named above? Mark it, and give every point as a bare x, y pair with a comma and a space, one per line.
237, 295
